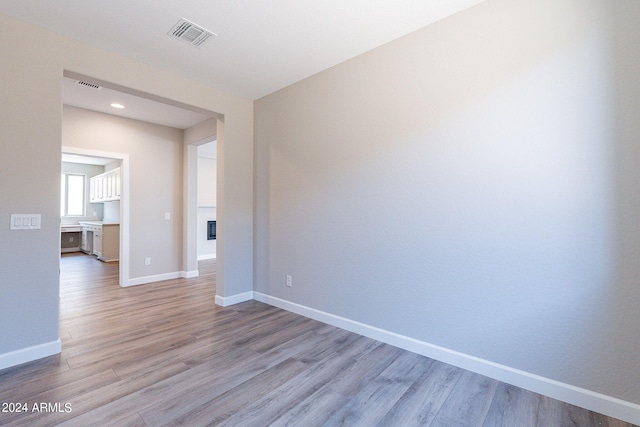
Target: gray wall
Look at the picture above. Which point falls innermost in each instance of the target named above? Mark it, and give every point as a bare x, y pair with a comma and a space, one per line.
473, 185
33, 63
31, 114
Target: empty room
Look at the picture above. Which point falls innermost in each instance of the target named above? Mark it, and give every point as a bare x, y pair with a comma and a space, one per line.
426, 213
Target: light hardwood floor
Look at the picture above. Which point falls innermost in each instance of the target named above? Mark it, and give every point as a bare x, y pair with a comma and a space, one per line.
165, 354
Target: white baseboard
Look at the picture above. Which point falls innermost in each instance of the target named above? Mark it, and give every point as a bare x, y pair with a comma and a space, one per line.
206, 256
189, 274
24, 355
150, 279
234, 299
597, 402
69, 250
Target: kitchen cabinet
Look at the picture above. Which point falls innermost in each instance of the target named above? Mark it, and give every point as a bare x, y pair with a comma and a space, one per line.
87, 240
101, 239
109, 242
97, 241
105, 187
70, 238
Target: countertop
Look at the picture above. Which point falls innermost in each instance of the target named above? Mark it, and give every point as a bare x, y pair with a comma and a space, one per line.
78, 227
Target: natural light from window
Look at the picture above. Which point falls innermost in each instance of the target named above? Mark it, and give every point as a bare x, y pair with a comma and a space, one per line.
72, 195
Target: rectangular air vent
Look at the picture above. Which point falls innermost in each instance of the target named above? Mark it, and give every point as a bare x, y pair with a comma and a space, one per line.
89, 85
191, 33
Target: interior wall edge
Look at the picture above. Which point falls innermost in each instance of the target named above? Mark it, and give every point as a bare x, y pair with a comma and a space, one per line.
29, 354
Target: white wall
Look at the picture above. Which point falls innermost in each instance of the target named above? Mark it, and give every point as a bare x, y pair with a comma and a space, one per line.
206, 248
155, 182
33, 63
93, 211
196, 246
207, 171
473, 185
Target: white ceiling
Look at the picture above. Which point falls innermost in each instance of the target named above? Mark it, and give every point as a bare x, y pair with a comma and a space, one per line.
261, 45
136, 107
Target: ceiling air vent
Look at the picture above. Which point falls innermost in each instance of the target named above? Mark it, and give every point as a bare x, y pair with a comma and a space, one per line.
191, 33
89, 85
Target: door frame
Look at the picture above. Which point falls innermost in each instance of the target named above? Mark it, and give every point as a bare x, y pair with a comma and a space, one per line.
124, 205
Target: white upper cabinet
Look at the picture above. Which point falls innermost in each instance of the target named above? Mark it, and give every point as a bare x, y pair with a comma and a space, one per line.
105, 187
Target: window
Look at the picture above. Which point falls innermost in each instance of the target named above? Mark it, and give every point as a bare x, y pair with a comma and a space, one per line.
72, 195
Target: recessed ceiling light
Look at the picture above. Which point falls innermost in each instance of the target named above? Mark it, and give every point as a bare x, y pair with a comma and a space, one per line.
114, 105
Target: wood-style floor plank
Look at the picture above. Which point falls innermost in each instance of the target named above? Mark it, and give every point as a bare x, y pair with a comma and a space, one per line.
422, 401
291, 394
513, 406
468, 403
165, 354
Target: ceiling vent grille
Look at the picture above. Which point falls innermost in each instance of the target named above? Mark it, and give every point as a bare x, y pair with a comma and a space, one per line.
89, 85
191, 33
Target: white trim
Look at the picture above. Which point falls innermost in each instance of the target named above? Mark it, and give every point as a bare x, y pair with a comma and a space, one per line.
597, 402
234, 299
206, 256
190, 274
24, 355
150, 279
69, 250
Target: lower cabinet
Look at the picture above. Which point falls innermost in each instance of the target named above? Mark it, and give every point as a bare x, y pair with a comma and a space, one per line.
102, 240
109, 243
97, 242
87, 240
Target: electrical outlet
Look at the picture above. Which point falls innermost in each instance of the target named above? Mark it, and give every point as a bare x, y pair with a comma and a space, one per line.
147, 261
289, 281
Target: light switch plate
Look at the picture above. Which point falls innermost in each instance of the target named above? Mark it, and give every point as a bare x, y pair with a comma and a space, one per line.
25, 221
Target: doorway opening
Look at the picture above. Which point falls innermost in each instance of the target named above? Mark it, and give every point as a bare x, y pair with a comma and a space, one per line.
207, 200
100, 227
180, 125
